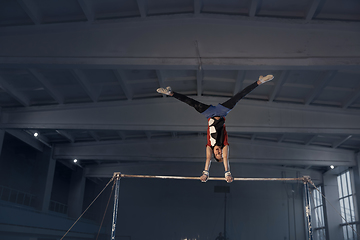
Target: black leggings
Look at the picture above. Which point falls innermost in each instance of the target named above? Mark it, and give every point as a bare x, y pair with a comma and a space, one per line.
230, 104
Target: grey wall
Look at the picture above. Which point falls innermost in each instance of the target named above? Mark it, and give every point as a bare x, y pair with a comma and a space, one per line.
17, 159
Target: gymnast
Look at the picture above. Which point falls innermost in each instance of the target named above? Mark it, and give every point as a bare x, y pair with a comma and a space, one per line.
217, 138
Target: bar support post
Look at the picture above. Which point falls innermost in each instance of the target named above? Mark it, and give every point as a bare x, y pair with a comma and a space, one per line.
307, 207
117, 176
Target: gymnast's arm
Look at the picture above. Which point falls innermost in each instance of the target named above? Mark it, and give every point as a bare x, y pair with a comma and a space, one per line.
225, 152
205, 176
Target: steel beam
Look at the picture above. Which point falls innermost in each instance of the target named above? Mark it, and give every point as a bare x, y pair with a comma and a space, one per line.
260, 117
193, 150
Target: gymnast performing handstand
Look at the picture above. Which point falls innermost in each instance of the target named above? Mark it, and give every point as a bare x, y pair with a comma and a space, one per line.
217, 138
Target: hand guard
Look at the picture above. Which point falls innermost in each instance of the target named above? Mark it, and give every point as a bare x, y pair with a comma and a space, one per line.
228, 174
206, 173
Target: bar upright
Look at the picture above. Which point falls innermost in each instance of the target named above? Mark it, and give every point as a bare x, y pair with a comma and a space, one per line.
307, 210
116, 177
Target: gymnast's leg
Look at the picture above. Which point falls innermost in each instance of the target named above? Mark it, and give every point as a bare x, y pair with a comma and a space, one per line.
230, 104
200, 107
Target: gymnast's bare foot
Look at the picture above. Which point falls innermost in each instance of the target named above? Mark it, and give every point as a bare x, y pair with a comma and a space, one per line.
265, 79
166, 91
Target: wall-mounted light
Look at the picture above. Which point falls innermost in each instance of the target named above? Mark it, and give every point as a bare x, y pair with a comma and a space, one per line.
77, 163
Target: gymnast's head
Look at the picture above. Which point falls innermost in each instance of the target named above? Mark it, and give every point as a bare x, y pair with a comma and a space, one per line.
217, 151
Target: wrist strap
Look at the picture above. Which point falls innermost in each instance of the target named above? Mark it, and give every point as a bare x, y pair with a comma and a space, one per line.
205, 172
227, 173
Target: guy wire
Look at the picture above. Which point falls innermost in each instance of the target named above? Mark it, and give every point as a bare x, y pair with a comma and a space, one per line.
87, 208
107, 205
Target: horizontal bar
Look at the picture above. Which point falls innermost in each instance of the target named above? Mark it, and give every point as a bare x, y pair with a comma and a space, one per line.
214, 178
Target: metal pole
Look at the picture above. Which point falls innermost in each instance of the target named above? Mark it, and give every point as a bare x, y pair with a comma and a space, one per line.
307, 209
116, 203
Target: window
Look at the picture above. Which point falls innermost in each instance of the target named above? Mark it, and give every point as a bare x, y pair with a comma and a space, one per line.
346, 196
319, 224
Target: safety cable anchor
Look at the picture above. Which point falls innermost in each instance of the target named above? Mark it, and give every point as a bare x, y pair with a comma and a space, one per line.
117, 175
306, 179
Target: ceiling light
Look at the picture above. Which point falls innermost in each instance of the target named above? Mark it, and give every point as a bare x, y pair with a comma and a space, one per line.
332, 166
36, 134
75, 160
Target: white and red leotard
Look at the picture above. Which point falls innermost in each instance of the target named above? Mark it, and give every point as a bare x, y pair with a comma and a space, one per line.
216, 133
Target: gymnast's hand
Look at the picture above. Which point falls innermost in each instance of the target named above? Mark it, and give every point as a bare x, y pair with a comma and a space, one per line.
228, 177
205, 176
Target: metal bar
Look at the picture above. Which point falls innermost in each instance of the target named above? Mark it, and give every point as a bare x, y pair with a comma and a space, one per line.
213, 178
116, 204
307, 210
